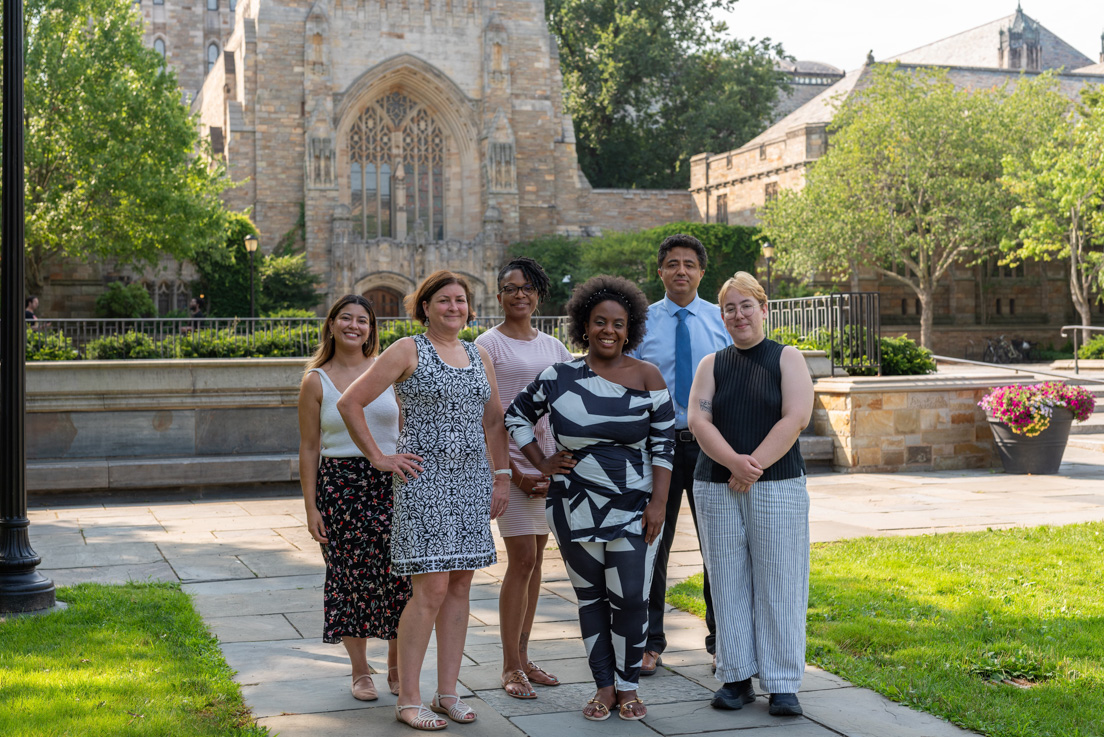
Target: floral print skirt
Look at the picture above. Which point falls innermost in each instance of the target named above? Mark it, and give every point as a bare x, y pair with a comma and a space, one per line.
363, 598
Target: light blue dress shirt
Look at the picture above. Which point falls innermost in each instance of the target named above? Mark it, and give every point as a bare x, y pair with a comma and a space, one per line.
707, 335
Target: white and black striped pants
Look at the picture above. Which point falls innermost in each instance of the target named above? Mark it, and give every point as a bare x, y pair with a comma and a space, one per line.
756, 548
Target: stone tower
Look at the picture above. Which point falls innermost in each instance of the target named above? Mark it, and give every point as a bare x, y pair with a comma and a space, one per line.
1020, 44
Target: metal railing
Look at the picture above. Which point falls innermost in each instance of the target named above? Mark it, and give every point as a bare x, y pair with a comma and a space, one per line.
1076, 329
849, 322
1031, 371
163, 337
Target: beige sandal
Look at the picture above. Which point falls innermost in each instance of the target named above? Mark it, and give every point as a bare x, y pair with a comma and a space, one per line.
364, 691
601, 711
518, 677
423, 720
458, 712
393, 685
531, 668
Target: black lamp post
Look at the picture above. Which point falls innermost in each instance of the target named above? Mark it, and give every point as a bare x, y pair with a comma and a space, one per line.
251, 247
768, 254
22, 588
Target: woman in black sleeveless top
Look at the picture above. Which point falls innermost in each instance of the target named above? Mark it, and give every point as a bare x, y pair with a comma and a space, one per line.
748, 404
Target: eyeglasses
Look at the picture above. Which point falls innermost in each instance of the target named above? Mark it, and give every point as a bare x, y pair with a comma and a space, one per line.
747, 309
510, 290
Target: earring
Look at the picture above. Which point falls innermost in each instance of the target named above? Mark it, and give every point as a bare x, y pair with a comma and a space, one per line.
425, 323
586, 338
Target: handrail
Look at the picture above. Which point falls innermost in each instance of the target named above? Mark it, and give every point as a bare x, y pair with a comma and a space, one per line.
1090, 328
1014, 370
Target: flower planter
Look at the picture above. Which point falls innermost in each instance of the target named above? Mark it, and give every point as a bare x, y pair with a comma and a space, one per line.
1041, 454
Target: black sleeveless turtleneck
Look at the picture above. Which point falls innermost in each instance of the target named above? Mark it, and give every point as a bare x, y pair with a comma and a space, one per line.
746, 406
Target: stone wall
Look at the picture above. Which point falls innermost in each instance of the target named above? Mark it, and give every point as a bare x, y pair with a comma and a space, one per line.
916, 423
638, 209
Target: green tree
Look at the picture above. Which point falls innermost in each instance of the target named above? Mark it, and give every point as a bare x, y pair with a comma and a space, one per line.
130, 300
286, 283
111, 170
224, 270
1061, 212
911, 182
651, 83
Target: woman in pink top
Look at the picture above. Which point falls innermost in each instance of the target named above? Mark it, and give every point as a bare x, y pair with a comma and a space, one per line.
519, 352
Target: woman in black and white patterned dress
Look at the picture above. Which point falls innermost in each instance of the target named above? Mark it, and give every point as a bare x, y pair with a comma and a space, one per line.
445, 494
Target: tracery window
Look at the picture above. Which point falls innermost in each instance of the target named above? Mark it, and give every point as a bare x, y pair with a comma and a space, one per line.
396, 142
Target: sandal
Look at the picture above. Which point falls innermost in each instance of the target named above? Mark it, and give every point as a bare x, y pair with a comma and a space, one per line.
531, 668
423, 720
458, 712
519, 678
633, 716
393, 685
601, 711
366, 691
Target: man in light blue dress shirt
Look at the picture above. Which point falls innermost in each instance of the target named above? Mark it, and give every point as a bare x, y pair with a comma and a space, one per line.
683, 329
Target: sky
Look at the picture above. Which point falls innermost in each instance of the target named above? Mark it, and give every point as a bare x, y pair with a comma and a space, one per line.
840, 32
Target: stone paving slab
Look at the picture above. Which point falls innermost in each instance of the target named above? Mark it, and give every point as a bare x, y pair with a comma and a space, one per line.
488, 675
210, 568
160, 572
283, 563
327, 694
380, 722
254, 585
255, 628
867, 714
100, 554
259, 602
571, 697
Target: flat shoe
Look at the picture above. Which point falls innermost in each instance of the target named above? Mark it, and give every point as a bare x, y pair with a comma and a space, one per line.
655, 664
602, 712
517, 677
363, 689
393, 685
458, 711
423, 720
531, 668
632, 716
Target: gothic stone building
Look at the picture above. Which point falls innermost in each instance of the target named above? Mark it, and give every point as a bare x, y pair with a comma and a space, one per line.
410, 135
974, 303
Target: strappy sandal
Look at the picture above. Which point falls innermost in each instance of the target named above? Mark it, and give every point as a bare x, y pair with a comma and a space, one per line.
423, 720
531, 668
366, 692
633, 716
518, 677
601, 711
458, 712
393, 685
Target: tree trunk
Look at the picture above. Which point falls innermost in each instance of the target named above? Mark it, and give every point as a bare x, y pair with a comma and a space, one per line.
854, 275
927, 308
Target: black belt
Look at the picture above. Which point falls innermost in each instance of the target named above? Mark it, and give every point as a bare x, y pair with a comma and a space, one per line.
684, 436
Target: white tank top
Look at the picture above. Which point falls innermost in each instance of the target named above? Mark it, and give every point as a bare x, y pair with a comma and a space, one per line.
382, 416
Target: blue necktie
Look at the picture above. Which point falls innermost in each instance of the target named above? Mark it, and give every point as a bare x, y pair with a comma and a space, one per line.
684, 372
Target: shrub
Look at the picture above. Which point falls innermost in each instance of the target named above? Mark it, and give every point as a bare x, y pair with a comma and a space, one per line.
126, 301
128, 345
49, 345
286, 282
293, 312
1093, 349
903, 357
392, 331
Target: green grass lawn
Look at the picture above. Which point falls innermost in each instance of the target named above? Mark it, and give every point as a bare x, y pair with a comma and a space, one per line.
937, 622
121, 660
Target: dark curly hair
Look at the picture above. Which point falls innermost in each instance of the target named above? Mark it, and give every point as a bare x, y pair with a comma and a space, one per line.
531, 271
601, 288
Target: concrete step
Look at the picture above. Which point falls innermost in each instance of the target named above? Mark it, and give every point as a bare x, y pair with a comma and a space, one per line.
817, 448
1087, 441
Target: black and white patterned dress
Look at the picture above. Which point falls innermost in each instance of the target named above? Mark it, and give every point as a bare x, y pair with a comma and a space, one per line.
442, 519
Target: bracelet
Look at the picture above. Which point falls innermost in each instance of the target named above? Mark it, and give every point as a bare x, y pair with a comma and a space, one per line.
503, 471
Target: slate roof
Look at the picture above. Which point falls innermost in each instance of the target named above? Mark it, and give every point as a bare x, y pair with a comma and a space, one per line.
979, 46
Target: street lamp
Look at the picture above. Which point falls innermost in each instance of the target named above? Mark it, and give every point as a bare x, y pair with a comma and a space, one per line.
768, 254
251, 246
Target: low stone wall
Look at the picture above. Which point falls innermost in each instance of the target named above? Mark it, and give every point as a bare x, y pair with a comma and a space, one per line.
161, 424
912, 423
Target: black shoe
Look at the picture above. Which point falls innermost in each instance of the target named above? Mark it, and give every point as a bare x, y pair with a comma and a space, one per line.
733, 696
785, 705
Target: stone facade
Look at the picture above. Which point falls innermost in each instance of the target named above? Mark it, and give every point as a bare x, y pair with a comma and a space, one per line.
411, 136
973, 303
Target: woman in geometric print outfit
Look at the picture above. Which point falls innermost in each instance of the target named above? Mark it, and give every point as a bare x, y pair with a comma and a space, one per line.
748, 404
613, 422
445, 493
348, 501
519, 352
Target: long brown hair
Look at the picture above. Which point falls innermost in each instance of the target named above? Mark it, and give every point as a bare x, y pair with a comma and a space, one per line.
326, 348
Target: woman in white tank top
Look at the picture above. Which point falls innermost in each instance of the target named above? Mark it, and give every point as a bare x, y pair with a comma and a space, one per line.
519, 353
348, 501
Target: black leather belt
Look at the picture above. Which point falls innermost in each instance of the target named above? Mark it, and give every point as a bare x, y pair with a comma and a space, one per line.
684, 436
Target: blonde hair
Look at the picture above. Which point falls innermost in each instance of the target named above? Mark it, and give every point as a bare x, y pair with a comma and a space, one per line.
743, 282
432, 284
326, 346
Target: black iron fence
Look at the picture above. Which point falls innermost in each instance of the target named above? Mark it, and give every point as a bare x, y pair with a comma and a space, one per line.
847, 326
206, 337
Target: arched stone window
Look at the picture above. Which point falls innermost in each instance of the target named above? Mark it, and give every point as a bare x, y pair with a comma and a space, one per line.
396, 146
159, 46
212, 56
212, 4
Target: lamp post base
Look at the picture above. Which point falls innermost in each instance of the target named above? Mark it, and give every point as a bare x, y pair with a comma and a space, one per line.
26, 592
